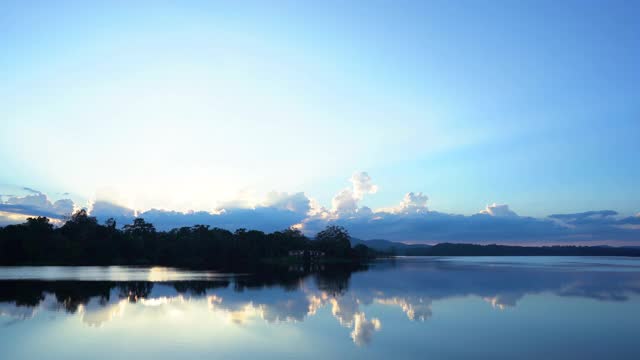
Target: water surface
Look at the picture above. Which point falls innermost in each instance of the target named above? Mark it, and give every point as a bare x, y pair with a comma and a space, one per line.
426, 308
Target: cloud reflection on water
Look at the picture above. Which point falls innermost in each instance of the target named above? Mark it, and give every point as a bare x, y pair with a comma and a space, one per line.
348, 297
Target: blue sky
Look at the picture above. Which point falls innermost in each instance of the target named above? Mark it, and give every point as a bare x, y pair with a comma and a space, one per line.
197, 105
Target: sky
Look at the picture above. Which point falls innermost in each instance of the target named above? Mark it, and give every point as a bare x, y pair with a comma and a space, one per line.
221, 107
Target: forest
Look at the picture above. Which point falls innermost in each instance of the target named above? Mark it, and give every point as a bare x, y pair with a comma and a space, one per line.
82, 240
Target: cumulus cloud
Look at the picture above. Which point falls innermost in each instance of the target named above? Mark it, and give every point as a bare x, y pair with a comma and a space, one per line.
410, 220
14, 310
37, 204
245, 199
504, 300
285, 310
411, 203
364, 329
64, 206
37, 201
501, 210
97, 311
296, 202
362, 184
279, 210
104, 210
414, 201
415, 308
345, 203
262, 218
344, 309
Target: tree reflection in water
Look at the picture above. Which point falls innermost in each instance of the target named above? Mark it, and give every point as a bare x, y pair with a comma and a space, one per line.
292, 294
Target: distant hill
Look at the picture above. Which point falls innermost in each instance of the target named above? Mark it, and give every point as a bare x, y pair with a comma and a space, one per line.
391, 246
449, 249
455, 249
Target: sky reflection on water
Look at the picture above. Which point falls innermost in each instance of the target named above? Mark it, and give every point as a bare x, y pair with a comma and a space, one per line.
408, 308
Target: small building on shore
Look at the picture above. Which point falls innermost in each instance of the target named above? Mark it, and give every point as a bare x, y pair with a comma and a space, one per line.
310, 253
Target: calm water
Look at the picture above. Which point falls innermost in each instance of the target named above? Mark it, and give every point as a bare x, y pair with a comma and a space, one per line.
423, 308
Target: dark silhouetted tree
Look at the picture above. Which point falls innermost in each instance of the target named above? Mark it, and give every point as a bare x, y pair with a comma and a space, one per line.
335, 241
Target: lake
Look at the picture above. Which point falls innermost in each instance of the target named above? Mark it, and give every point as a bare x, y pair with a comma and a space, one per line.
404, 308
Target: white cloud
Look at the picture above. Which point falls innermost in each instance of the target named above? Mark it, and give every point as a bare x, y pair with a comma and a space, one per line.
411, 203
362, 185
345, 203
37, 200
364, 329
37, 204
344, 309
244, 199
410, 220
296, 202
103, 210
64, 206
415, 308
501, 210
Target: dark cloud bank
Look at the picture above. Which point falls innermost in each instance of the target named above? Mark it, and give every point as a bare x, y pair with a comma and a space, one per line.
410, 221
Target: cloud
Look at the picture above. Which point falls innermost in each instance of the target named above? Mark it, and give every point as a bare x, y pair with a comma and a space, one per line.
10, 218
411, 220
599, 222
345, 202
414, 201
503, 301
104, 210
411, 203
344, 309
97, 311
362, 184
266, 219
37, 200
278, 211
244, 199
64, 206
16, 311
415, 308
500, 226
498, 210
588, 217
629, 223
296, 202
30, 190
364, 329
37, 204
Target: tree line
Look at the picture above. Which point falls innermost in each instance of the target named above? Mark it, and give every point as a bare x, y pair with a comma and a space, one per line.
82, 240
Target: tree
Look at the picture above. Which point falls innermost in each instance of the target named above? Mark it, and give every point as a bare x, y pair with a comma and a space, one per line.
335, 241
141, 240
36, 238
110, 223
80, 231
82, 217
139, 227
83, 241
